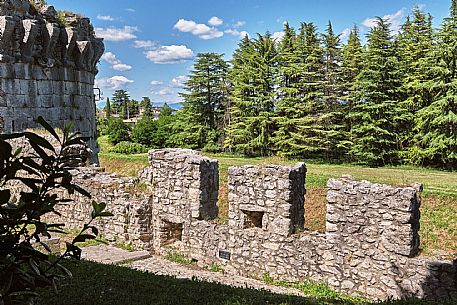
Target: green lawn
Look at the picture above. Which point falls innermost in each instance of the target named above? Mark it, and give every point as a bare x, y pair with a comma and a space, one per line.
94, 283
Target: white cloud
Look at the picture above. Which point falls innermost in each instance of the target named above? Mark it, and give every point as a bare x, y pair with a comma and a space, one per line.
179, 81
131, 10
116, 64
156, 83
215, 21
240, 34
239, 24
144, 44
114, 83
110, 58
394, 19
122, 67
278, 36
117, 34
198, 29
164, 91
345, 33
170, 54
105, 18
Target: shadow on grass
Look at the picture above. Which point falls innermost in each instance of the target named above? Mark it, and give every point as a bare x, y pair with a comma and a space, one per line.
99, 284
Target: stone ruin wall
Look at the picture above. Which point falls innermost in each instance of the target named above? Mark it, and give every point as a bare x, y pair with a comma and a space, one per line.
47, 68
369, 248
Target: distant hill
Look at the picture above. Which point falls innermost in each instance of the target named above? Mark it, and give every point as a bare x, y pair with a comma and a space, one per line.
175, 106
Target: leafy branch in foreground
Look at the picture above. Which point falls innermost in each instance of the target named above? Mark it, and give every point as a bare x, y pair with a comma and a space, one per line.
38, 169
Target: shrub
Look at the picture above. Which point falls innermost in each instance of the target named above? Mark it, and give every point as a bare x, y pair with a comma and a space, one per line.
102, 126
128, 148
39, 175
211, 148
144, 131
118, 131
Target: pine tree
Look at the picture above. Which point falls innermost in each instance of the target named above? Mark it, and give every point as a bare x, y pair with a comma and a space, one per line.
352, 62
108, 108
204, 100
436, 123
333, 115
289, 90
304, 129
376, 115
120, 103
147, 107
415, 43
253, 78
165, 111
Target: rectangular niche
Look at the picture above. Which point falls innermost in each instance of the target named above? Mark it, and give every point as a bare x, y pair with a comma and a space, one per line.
253, 219
170, 233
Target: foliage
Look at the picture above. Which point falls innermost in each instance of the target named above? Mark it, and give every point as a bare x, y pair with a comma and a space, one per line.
39, 173
108, 108
128, 148
147, 107
253, 74
215, 267
118, 131
166, 111
120, 103
176, 257
144, 130
436, 122
205, 101
377, 113
102, 126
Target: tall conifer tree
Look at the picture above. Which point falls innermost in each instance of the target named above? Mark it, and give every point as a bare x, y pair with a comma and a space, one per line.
307, 131
108, 108
332, 118
415, 43
253, 77
436, 123
204, 99
352, 63
376, 112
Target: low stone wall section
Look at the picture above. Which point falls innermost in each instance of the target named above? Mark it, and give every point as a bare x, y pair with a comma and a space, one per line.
370, 246
127, 198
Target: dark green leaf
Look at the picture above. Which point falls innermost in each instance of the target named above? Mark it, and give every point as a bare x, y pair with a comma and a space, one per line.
39, 140
48, 127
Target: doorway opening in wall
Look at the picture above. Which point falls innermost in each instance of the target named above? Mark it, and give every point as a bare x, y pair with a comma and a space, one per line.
253, 219
170, 233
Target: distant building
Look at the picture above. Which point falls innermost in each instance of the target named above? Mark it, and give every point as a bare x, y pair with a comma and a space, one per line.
155, 111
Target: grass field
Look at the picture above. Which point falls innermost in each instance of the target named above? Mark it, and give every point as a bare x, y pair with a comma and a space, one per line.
439, 199
94, 283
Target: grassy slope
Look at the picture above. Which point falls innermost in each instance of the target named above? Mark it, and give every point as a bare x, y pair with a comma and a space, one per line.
439, 199
114, 285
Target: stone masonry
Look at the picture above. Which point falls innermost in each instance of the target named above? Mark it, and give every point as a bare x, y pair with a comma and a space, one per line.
185, 187
270, 198
369, 248
47, 68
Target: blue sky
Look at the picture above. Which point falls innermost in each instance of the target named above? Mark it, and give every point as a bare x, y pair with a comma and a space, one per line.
150, 45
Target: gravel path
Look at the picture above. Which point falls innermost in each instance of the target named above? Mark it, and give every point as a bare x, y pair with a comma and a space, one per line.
160, 266
141, 260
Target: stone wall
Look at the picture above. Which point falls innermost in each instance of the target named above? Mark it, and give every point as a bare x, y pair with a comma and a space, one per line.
270, 198
185, 187
369, 248
47, 68
127, 198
